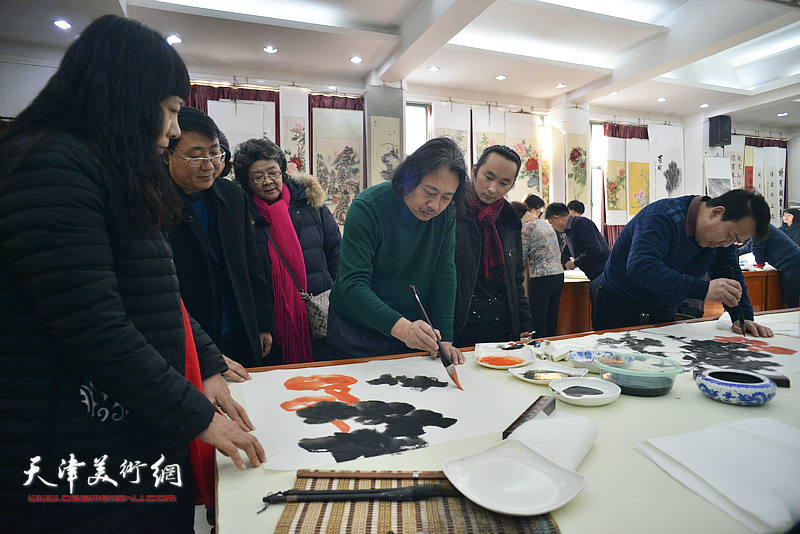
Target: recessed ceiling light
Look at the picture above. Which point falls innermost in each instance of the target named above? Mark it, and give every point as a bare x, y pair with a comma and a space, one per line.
784, 114
661, 99
613, 93
500, 77
560, 85
433, 68
173, 39
356, 59
796, 100
270, 49
704, 105
332, 87
63, 24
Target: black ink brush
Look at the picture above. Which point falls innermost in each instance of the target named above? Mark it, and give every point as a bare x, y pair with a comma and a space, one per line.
402, 494
738, 305
449, 366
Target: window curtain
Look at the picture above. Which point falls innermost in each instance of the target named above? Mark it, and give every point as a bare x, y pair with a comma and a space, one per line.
757, 141
199, 95
622, 131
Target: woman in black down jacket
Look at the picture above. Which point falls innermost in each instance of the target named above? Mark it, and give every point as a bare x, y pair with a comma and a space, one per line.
315, 231
94, 404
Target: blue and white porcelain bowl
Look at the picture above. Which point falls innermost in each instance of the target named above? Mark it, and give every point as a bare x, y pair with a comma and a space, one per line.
742, 388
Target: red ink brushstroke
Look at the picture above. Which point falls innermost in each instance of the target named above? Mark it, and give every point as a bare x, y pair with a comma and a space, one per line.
756, 345
336, 386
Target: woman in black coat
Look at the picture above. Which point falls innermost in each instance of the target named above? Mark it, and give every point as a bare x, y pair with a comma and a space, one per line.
791, 224
94, 401
313, 224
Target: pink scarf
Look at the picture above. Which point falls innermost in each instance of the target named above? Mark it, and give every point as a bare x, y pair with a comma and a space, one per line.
291, 315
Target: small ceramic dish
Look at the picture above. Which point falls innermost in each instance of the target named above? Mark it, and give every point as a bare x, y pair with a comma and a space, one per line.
559, 351
585, 391
544, 372
732, 386
511, 478
582, 359
503, 355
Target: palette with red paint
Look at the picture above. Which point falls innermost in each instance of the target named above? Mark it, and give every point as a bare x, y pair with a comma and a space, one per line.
503, 355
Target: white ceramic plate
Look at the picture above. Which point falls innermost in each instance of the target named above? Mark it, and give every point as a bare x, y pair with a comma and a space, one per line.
536, 372
485, 352
511, 478
593, 392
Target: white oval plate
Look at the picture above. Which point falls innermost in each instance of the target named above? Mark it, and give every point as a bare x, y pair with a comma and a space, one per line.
541, 365
511, 478
608, 391
490, 350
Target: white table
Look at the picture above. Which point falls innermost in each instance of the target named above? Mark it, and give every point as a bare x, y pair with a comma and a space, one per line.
625, 493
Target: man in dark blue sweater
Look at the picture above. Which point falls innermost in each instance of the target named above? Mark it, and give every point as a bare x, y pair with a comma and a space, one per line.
661, 255
587, 247
783, 254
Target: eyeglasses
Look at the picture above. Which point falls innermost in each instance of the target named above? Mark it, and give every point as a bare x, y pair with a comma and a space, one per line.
259, 177
198, 162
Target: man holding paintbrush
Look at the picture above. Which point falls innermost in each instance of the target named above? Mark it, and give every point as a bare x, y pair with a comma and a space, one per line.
661, 255
397, 234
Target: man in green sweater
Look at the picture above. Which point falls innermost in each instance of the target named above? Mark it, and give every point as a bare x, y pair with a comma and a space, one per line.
397, 234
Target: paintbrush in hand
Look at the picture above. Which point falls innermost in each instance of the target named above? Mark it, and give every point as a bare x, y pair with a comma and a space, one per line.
738, 305
449, 366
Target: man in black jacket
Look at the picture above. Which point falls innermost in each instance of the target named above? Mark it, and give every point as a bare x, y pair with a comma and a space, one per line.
587, 247
221, 278
490, 300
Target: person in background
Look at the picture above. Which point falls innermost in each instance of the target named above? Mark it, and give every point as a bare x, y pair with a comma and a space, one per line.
545, 273
293, 210
490, 298
94, 345
791, 224
783, 254
587, 247
662, 254
216, 259
576, 208
521, 210
396, 234
227, 162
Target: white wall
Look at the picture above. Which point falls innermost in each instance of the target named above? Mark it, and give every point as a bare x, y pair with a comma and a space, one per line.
19, 84
793, 171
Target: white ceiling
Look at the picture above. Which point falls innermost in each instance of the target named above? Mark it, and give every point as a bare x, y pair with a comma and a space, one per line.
742, 57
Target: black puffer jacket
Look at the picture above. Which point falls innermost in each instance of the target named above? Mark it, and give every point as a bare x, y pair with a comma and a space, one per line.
468, 262
316, 229
91, 351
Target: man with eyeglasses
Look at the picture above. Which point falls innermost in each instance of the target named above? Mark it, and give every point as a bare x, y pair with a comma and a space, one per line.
222, 281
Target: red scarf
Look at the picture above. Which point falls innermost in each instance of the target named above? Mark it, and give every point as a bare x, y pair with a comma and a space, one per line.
291, 315
486, 215
201, 454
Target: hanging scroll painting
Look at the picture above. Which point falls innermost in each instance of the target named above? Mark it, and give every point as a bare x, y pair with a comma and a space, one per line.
334, 414
577, 169
522, 133
294, 144
384, 147
748, 168
616, 182
666, 161
452, 120
717, 173
489, 125
758, 170
774, 180
338, 156
735, 153
637, 154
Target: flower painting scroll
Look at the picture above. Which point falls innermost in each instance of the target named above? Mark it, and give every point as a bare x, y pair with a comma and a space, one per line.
577, 168
295, 148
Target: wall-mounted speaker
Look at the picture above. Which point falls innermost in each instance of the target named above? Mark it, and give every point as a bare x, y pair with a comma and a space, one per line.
719, 130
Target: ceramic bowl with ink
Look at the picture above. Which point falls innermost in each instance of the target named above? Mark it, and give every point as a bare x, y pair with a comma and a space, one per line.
543, 372
585, 391
642, 375
583, 359
730, 386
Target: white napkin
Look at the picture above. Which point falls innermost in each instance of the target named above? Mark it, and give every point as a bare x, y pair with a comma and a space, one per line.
750, 469
561, 437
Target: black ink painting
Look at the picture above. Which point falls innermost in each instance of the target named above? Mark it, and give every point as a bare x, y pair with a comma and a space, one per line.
645, 345
404, 426
419, 383
729, 353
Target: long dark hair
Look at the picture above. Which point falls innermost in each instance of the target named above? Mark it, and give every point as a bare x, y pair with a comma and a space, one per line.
107, 93
439, 152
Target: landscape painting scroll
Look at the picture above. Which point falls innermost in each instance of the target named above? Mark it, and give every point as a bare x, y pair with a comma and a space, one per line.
324, 415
